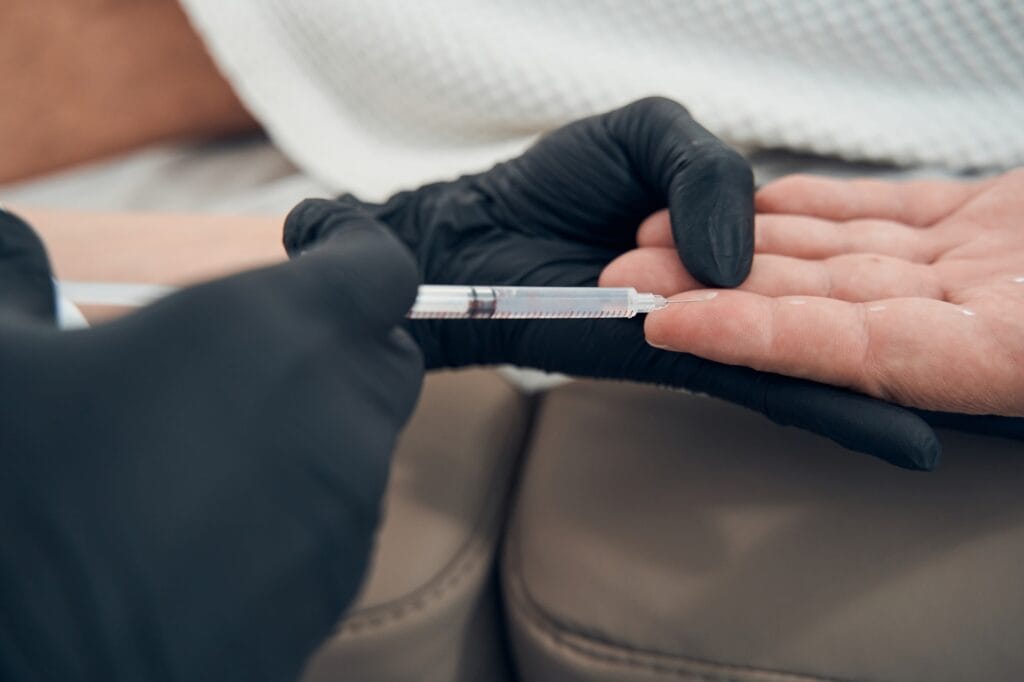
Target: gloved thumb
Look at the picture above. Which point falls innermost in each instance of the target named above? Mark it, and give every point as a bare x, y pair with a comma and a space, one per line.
350, 261
26, 280
708, 186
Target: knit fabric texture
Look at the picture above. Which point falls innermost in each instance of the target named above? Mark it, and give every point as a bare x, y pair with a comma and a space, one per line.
378, 95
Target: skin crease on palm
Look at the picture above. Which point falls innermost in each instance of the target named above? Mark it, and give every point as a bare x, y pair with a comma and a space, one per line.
910, 292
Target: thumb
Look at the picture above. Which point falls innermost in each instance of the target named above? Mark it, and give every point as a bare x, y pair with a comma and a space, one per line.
346, 261
708, 187
26, 281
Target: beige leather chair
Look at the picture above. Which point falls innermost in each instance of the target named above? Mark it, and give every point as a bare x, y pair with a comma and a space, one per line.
429, 609
658, 535
664, 536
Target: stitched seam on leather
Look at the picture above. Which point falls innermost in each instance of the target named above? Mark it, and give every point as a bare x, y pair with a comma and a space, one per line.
445, 582
467, 558
584, 645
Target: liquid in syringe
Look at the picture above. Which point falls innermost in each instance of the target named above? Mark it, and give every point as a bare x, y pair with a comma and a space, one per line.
514, 302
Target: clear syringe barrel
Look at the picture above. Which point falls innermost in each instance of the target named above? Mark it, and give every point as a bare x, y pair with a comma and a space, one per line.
501, 302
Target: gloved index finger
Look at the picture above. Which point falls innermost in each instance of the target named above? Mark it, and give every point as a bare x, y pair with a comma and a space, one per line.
708, 187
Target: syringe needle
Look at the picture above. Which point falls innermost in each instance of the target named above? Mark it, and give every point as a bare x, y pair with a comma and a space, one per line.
696, 297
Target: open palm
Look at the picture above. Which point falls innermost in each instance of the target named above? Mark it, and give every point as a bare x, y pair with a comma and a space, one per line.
911, 292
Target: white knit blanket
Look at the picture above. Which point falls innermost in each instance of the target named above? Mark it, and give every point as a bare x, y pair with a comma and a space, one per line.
376, 95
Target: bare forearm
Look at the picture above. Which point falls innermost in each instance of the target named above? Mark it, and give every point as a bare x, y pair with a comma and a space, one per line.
91, 78
171, 249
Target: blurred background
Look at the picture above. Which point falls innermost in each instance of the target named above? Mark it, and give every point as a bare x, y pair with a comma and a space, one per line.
249, 106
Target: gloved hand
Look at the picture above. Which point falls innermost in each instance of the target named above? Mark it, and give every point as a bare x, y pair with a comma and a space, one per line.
191, 492
558, 214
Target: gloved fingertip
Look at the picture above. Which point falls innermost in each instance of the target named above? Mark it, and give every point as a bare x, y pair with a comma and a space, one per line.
355, 264
729, 269
719, 253
16, 233
906, 441
26, 279
712, 213
923, 459
314, 221
890, 432
304, 225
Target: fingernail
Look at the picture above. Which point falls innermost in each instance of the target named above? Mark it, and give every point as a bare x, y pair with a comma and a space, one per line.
693, 297
670, 349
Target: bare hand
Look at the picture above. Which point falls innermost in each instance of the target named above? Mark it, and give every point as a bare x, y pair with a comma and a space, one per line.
911, 292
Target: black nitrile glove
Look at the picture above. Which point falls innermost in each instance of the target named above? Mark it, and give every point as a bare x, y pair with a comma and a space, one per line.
561, 212
191, 492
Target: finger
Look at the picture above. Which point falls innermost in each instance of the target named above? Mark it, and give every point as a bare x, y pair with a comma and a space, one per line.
707, 185
345, 264
594, 180
656, 230
768, 334
656, 270
920, 353
920, 203
853, 420
808, 237
26, 280
312, 221
857, 277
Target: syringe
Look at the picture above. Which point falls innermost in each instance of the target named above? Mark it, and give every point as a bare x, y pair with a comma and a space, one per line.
437, 301
501, 302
